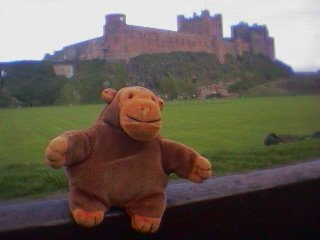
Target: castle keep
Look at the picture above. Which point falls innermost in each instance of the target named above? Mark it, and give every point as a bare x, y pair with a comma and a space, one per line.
196, 34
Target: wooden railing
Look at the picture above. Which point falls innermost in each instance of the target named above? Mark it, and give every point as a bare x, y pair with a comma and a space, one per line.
280, 203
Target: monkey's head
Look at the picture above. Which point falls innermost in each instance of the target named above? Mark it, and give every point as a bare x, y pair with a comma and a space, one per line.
136, 110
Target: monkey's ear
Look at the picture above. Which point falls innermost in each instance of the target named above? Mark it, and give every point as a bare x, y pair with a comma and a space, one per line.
108, 95
161, 103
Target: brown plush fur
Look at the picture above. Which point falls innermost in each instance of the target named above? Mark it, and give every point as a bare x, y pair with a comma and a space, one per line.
122, 161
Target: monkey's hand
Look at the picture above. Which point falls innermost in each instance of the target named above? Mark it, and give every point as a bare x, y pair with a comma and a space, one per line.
55, 153
201, 170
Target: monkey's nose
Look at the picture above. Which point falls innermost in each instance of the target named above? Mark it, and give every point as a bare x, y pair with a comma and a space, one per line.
145, 111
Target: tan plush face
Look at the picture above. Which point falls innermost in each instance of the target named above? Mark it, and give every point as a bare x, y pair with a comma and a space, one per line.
139, 112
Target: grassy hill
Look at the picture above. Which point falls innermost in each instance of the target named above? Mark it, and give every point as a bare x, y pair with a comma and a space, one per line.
287, 86
33, 83
183, 72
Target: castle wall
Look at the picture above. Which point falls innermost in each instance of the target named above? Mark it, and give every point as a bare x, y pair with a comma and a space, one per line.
241, 46
228, 47
270, 48
135, 40
258, 44
87, 50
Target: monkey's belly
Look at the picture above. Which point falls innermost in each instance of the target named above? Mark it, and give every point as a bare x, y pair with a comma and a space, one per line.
120, 182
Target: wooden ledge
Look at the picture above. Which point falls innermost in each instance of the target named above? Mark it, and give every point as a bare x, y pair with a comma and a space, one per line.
267, 204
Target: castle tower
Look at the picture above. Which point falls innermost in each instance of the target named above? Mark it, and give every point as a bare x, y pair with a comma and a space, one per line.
180, 22
210, 26
115, 20
114, 34
254, 39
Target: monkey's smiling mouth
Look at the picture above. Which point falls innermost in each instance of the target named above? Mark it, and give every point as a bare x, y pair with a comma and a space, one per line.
143, 121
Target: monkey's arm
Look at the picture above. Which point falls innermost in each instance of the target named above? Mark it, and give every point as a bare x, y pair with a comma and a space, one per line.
184, 161
69, 148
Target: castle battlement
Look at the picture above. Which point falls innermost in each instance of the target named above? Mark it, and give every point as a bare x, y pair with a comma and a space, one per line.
205, 14
199, 33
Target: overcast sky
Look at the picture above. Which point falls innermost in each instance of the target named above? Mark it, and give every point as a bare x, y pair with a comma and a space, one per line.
31, 28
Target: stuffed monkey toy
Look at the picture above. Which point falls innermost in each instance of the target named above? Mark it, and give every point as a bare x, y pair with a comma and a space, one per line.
122, 161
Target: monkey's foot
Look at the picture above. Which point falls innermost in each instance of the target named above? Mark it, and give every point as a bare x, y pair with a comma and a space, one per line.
145, 224
87, 219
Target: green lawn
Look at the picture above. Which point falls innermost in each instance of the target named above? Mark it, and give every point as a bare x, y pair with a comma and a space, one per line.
227, 131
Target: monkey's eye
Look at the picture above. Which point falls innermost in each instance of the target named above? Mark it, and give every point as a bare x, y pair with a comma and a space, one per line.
130, 95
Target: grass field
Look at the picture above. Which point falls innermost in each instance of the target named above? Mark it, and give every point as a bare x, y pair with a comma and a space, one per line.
229, 132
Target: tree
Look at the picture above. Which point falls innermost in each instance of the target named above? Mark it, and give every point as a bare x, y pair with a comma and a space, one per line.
168, 87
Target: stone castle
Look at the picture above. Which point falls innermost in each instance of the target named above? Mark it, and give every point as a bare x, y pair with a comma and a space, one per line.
201, 33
